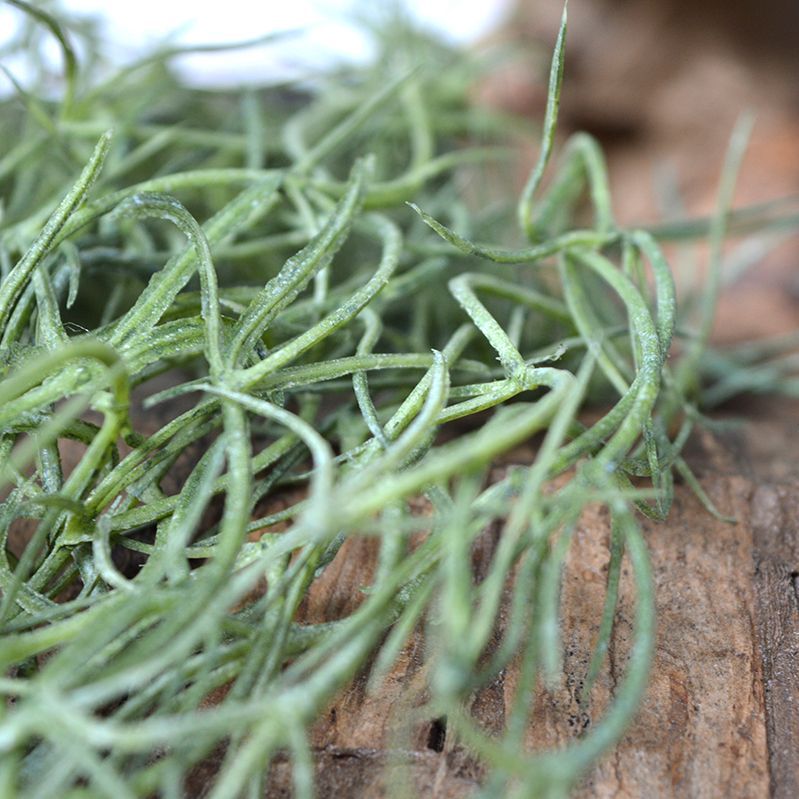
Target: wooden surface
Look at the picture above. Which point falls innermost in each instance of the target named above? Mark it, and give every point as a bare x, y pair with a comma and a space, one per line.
721, 715
776, 550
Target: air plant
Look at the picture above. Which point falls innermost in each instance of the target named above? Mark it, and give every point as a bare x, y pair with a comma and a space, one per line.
240, 284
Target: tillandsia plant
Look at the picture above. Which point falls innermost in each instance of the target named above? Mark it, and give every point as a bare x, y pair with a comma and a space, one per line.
234, 289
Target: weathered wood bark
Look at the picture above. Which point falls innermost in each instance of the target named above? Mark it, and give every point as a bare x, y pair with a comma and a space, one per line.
701, 730
721, 714
776, 538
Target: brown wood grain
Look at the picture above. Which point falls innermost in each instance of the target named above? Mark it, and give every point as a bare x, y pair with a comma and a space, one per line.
701, 728
776, 535
718, 718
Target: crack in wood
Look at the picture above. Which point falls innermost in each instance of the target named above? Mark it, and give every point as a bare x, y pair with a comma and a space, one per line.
437, 736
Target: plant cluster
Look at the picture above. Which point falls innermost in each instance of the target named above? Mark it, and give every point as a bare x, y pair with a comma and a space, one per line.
320, 356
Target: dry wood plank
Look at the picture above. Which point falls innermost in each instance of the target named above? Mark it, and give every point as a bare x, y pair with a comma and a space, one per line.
775, 514
701, 729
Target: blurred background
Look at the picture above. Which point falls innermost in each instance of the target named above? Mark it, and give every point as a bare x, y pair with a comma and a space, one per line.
660, 83
324, 31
